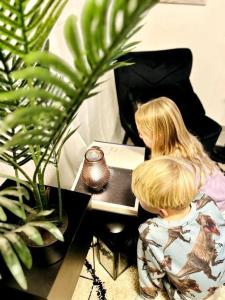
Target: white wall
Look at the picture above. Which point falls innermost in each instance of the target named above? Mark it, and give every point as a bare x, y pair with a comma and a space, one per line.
202, 29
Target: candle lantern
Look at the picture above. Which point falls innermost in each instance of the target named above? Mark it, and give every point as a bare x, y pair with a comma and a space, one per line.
95, 173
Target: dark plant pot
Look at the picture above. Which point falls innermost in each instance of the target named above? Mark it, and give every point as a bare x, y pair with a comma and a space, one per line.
53, 250
56, 268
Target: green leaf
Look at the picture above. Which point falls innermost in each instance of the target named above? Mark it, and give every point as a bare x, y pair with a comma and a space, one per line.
32, 25
12, 262
43, 213
37, 115
3, 216
44, 75
29, 93
16, 192
49, 227
25, 26
50, 60
25, 183
13, 206
89, 23
32, 233
72, 36
21, 249
7, 226
100, 34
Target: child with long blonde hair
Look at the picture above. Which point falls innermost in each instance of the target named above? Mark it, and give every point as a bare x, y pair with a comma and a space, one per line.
162, 129
181, 250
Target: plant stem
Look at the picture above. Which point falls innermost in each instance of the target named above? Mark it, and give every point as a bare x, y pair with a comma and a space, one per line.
17, 166
40, 184
18, 183
59, 189
33, 184
37, 158
37, 197
42, 191
20, 196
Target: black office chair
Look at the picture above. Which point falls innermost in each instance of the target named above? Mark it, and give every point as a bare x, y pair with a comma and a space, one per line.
163, 73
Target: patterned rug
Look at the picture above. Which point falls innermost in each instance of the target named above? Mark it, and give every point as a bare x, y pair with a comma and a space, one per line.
95, 283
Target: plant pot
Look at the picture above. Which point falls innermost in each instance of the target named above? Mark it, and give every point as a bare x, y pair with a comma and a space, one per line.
59, 264
53, 250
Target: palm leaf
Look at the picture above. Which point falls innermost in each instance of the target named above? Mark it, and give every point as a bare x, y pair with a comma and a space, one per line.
50, 227
95, 44
3, 216
12, 262
14, 206
16, 192
34, 215
20, 248
25, 26
32, 233
13, 248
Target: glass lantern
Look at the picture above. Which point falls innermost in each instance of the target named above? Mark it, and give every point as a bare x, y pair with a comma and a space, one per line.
95, 173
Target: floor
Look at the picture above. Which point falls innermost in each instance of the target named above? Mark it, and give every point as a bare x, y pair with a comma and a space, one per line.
104, 287
99, 285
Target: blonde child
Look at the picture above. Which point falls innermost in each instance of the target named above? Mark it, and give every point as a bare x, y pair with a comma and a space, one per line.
162, 129
182, 250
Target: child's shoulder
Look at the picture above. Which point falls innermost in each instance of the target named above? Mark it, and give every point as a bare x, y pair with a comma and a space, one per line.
152, 235
148, 225
207, 205
203, 200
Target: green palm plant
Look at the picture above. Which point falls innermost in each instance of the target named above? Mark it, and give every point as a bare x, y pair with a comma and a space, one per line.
24, 27
41, 94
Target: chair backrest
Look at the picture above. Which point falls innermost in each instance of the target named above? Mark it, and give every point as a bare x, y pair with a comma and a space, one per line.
154, 74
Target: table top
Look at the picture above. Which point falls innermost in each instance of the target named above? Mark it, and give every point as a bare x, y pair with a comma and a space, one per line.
117, 196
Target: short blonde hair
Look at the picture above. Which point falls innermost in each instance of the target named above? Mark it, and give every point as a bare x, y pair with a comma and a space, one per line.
160, 119
165, 182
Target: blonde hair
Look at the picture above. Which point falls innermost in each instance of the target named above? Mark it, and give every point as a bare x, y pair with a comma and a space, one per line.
161, 120
165, 182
